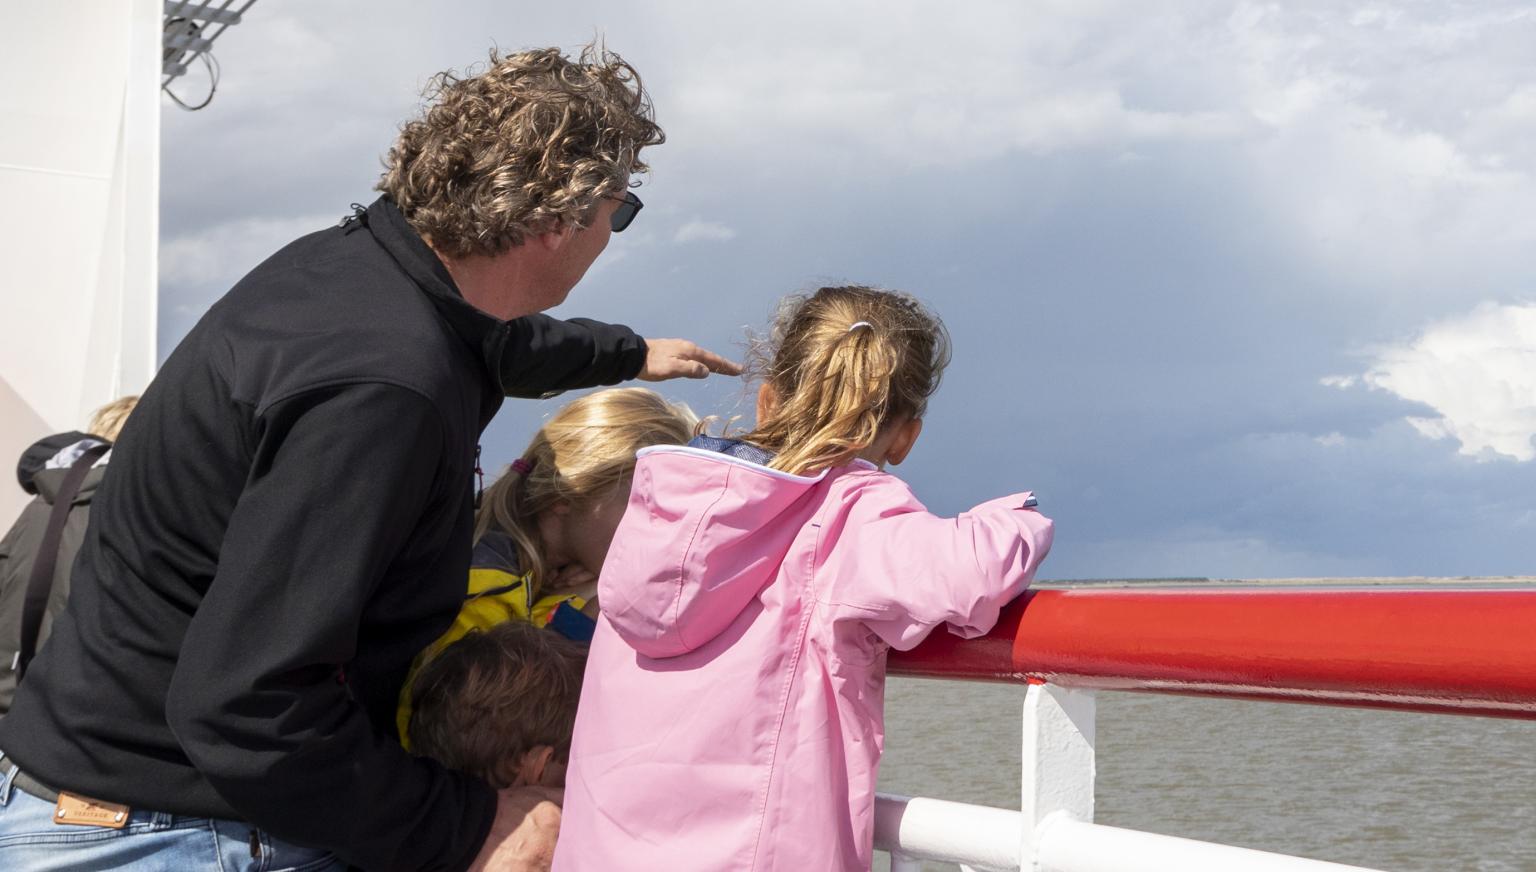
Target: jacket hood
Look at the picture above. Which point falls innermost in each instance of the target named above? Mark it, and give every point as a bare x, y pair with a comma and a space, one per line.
47, 481
704, 534
37, 456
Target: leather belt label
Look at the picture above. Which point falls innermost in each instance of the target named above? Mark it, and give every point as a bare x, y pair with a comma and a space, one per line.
86, 812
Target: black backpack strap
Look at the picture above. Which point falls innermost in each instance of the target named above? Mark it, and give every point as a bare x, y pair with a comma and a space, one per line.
40, 582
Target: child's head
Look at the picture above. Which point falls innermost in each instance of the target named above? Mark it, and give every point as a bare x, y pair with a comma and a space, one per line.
562, 500
500, 704
846, 372
107, 421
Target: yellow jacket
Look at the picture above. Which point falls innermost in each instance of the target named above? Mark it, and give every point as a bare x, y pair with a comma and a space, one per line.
498, 592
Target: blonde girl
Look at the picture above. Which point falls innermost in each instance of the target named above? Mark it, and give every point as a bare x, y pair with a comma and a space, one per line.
542, 530
731, 713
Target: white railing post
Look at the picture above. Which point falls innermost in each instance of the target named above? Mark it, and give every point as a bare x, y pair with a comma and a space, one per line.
1058, 761
1054, 830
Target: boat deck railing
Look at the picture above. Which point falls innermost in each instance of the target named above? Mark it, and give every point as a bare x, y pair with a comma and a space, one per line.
1452, 648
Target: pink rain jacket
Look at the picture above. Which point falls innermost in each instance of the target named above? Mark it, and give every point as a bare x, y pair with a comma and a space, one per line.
732, 712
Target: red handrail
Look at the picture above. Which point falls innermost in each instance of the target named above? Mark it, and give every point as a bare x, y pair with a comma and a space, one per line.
1451, 650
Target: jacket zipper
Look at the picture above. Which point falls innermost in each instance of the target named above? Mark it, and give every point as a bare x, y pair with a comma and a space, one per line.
479, 479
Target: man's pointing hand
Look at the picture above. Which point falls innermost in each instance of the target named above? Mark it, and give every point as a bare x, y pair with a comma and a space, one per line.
679, 358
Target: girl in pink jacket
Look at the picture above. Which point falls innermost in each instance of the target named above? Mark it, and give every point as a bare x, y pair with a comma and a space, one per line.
732, 712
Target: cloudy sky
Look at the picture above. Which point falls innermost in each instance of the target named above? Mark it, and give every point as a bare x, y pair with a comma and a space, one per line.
1240, 289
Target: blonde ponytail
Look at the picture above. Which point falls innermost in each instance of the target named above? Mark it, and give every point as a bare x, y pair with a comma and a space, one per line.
842, 363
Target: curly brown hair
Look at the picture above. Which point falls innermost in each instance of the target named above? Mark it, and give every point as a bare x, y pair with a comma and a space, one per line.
529, 145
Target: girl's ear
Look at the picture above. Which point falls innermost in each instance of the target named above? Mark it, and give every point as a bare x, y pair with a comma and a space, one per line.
767, 402
902, 442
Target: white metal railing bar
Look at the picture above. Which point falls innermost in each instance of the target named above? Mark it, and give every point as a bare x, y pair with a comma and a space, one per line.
1068, 845
919, 828
1053, 830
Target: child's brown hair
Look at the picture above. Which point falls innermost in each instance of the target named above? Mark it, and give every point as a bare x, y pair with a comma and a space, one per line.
842, 363
493, 696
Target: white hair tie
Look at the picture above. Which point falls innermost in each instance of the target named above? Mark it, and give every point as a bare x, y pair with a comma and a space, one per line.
857, 324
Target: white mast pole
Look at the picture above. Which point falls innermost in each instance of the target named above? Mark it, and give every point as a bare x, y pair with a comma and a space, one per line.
79, 232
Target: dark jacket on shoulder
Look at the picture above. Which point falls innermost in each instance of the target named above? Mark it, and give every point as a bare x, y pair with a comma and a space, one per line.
286, 521
41, 471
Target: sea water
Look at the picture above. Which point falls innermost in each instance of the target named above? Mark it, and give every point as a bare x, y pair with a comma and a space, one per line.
1381, 789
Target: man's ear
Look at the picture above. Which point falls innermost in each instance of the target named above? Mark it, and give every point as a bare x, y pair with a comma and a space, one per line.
553, 240
905, 438
767, 402
530, 769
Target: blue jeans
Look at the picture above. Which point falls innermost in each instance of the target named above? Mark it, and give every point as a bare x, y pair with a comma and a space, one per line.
152, 841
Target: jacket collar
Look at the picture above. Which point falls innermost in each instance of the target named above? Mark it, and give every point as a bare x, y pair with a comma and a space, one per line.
485, 335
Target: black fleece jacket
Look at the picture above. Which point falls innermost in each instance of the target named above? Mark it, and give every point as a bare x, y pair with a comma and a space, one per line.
285, 523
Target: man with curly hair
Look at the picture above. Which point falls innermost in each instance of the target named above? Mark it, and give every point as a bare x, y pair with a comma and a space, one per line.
287, 516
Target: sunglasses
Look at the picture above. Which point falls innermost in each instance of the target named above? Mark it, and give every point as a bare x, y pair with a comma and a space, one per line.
629, 207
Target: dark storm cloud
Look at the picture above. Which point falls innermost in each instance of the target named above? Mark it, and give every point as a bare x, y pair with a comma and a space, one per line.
1152, 240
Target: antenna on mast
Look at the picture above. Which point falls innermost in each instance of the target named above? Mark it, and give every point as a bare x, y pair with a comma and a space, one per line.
189, 30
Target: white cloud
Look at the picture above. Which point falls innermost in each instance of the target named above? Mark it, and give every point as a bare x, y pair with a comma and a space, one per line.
1381, 140
909, 83
218, 255
704, 231
1478, 373
1395, 140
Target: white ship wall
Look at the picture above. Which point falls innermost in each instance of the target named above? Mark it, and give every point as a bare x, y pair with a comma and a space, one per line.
79, 215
